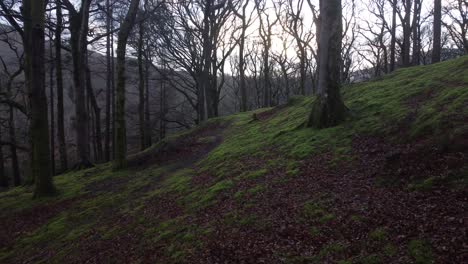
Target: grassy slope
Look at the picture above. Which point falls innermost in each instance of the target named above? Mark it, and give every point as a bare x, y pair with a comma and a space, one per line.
154, 208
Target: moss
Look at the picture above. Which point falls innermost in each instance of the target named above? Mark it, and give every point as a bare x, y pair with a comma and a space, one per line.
378, 235
389, 250
312, 210
331, 249
204, 197
424, 185
420, 251
255, 174
371, 259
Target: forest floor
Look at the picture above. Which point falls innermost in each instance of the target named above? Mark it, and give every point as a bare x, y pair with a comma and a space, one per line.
389, 185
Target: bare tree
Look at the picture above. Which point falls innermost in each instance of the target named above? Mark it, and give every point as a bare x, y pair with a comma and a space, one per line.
121, 133
329, 108
436, 48
34, 26
265, 33
457, 26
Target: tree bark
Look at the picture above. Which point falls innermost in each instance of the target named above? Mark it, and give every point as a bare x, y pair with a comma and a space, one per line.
59, 79
436, 48
393, 33
52, 108
79, 31
97, 116
329, 109
121, 134
3, 177
13, 150
416, 30
406, 34
141, 86
39, 125
109, 70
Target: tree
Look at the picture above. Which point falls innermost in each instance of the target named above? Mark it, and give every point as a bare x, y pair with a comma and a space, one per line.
393, 33
121, 134
142, 79
79, 31
457, 11
329, 108
109, 82
245, 23
59, 80
436, 48
33, 11
265, 32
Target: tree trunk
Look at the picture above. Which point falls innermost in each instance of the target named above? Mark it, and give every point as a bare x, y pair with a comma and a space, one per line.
121, 134
59, 80
97, 116
3, 177
108, 83
205, 79
406, 34
393, 33
329, 108
79, 32
436, 49
13, 151
39, 125
52, 108
147, 105
141, 86
416, 30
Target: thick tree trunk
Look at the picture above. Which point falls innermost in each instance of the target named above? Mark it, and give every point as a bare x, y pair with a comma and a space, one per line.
436, 48
97, 116
52, 108
108, 83
39, 125
147, 105
59, 80
3, 177
416, 29
393, 33
242, 84
162, 110
141, 87
13, 150
121, 134
406, 34
205, 80
79, 32
329, 108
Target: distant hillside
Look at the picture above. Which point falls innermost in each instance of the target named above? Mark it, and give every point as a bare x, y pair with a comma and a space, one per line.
389, 185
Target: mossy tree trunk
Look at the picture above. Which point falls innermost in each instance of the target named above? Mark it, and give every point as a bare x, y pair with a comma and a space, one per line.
120, 133
329, 108
39, 125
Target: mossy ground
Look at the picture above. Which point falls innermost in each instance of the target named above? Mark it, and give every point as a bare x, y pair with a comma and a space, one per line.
169, 212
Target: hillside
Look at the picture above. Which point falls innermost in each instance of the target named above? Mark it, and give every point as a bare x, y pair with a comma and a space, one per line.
386, 186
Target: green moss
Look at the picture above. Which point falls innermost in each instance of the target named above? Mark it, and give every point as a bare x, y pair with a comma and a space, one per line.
255, 174
378, 235
389, 250
371, 259
312, 210
424, 185
420, 251
331, 249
